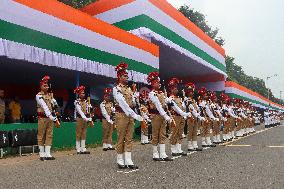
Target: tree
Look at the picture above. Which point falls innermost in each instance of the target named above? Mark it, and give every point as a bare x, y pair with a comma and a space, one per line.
199, 20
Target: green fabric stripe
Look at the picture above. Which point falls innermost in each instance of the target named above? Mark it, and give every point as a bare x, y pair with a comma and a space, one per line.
232, 95
35, 38
146, 21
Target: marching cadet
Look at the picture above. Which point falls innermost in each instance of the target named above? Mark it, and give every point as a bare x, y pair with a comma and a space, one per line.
83, 117
232, 119
192, 122
213, 120
204, 105
147, 122
239, 113
216, 109
108, 112
124, 118
179, 115
226, 116
46, 105
160, 116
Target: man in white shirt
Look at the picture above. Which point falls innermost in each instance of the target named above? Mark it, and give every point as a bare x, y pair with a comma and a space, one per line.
124, 118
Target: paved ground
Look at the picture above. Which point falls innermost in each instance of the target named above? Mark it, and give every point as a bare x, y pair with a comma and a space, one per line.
256, 161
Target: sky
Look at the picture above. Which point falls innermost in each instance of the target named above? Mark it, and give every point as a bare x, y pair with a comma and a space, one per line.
254, 34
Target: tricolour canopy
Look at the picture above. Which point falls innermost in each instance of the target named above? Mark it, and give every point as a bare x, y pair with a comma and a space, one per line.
51, 33
185, 50
237, 91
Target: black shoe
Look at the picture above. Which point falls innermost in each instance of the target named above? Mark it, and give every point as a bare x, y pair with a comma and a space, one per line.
191, 150
183, 154
156, 159
142, 143
205, 146
105, 149
167, 159
110, 148
121, 166
42, 158
175, 154
86, 152
79, 153
198, 149
50, 158
132, 167
212, 145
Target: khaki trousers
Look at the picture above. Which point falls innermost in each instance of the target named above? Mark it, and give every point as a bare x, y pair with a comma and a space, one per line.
239, 124
107, 132
81, 129
226, 126
216, 127
204, 128
45, 132
177, 131
125, 128
192, 127
158, 129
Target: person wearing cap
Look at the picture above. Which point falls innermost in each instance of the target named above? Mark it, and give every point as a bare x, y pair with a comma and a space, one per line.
159, 117
226, 116
179, 115
240, 114
83, 117
232, 120
203, 104
146, 117
212, 119
216, 110
124, 118
46, 119
192, 122
108, 112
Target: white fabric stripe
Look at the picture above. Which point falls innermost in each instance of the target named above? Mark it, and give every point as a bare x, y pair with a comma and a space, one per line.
139, 7
244, 94
22, 15
45, 57
150, 34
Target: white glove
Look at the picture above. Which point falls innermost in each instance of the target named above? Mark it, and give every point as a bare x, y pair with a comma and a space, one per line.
225, 119
202, 118
167, 118
111, 122
138, 117
52, 118
88, 119
216, 119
